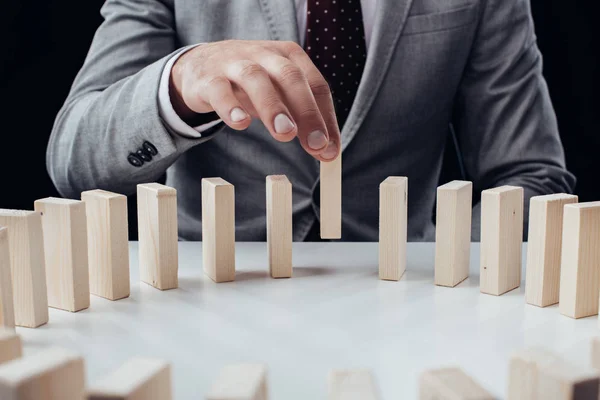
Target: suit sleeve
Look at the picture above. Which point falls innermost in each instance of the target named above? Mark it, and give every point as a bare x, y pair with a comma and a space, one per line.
504, 118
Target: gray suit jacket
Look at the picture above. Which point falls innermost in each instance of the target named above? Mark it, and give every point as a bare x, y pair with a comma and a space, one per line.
432, 63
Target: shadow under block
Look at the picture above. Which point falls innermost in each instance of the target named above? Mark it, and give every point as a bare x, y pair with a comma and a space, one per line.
157, 235
453, 233
136, 379
580, 260
51, 374
65, 246
218, 229
28, 270
240, 382
7, 308
542, 276
450, 384
350, 384
10, 345
331, 199
393, 196
279, 226
501, 239
108, 243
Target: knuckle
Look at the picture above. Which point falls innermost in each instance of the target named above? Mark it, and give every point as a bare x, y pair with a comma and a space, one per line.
271, 102
291, 74
309, 113
214, 81
320, 88
250, 70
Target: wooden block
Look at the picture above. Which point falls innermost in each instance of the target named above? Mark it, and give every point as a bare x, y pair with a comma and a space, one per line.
240, 382
28, 271
559, 380
357, 384
218, 229
523, 372
450, 384
542, 277
52, 374
10, 345
393, 208
580, 260
108, 243
7, 309
595, 354
279, 226
157, 235
65, 246
136, 379
501, 239
331, 199
453, 233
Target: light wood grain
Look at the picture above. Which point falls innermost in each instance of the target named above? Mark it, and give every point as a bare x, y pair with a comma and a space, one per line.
240, 382
157, 235
580, 260
108, 236
218, 229
542, 276
352, 384
137, 379
64, 225
560, 380
28, 270
595, 353
523, 372
393, 209
51, 374
453, 233
501, 239
10, 345
7, 308
279, 226
331, 199
450, 384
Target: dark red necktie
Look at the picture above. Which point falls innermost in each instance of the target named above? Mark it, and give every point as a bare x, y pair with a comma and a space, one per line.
335, 42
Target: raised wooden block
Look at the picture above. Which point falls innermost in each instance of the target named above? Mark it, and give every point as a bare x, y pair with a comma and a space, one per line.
52, 374
450, 384
453, 233
331, 199
393, 208
501, 239
279, 226
28, 271
218, 229
595, 353
542, 276
157, 235
559, 380
108, 243
352, 384
523, 372
7, 308
580, 260
10, 345
65, 245
136, 379
240, 382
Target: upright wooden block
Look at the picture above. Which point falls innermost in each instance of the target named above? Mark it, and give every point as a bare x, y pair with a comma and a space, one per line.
10, 345
453, 233
157, 235
218, 229
523, 372
542, 276
136, 379
108, 243
52, 374
450, 384
355, 384
501, 239
7, 309
28, 271
65, 245
559, 380
240, 382
580, 260
393, 208
331, 199
595, 353
279, 226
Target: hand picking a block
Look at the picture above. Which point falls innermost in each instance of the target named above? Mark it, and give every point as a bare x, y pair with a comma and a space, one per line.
352, 384
450, 383
279, 226
240, 382
331, 199
10, 345
393, 209
7, 308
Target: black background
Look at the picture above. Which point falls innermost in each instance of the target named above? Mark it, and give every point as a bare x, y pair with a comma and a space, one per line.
43, 44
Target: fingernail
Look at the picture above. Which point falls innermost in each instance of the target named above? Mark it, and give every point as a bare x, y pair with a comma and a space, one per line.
237, 115
317, 140
283, 124
331, 152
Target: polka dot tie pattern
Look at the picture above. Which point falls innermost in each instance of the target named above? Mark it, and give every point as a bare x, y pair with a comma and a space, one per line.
335, 41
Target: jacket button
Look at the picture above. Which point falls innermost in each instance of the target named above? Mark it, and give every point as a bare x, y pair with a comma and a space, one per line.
150, 148
141, 153
135, 160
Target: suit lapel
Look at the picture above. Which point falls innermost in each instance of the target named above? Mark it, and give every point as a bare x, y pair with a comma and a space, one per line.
281, 19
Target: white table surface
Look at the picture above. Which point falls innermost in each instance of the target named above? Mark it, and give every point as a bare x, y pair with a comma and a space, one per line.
334, 313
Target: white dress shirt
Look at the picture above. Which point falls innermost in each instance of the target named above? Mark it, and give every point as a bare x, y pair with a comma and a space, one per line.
164, 101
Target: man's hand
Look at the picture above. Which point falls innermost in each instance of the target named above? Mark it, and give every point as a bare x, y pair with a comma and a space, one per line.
274, 81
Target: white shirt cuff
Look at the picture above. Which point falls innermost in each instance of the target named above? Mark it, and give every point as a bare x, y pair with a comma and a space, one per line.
165, 108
